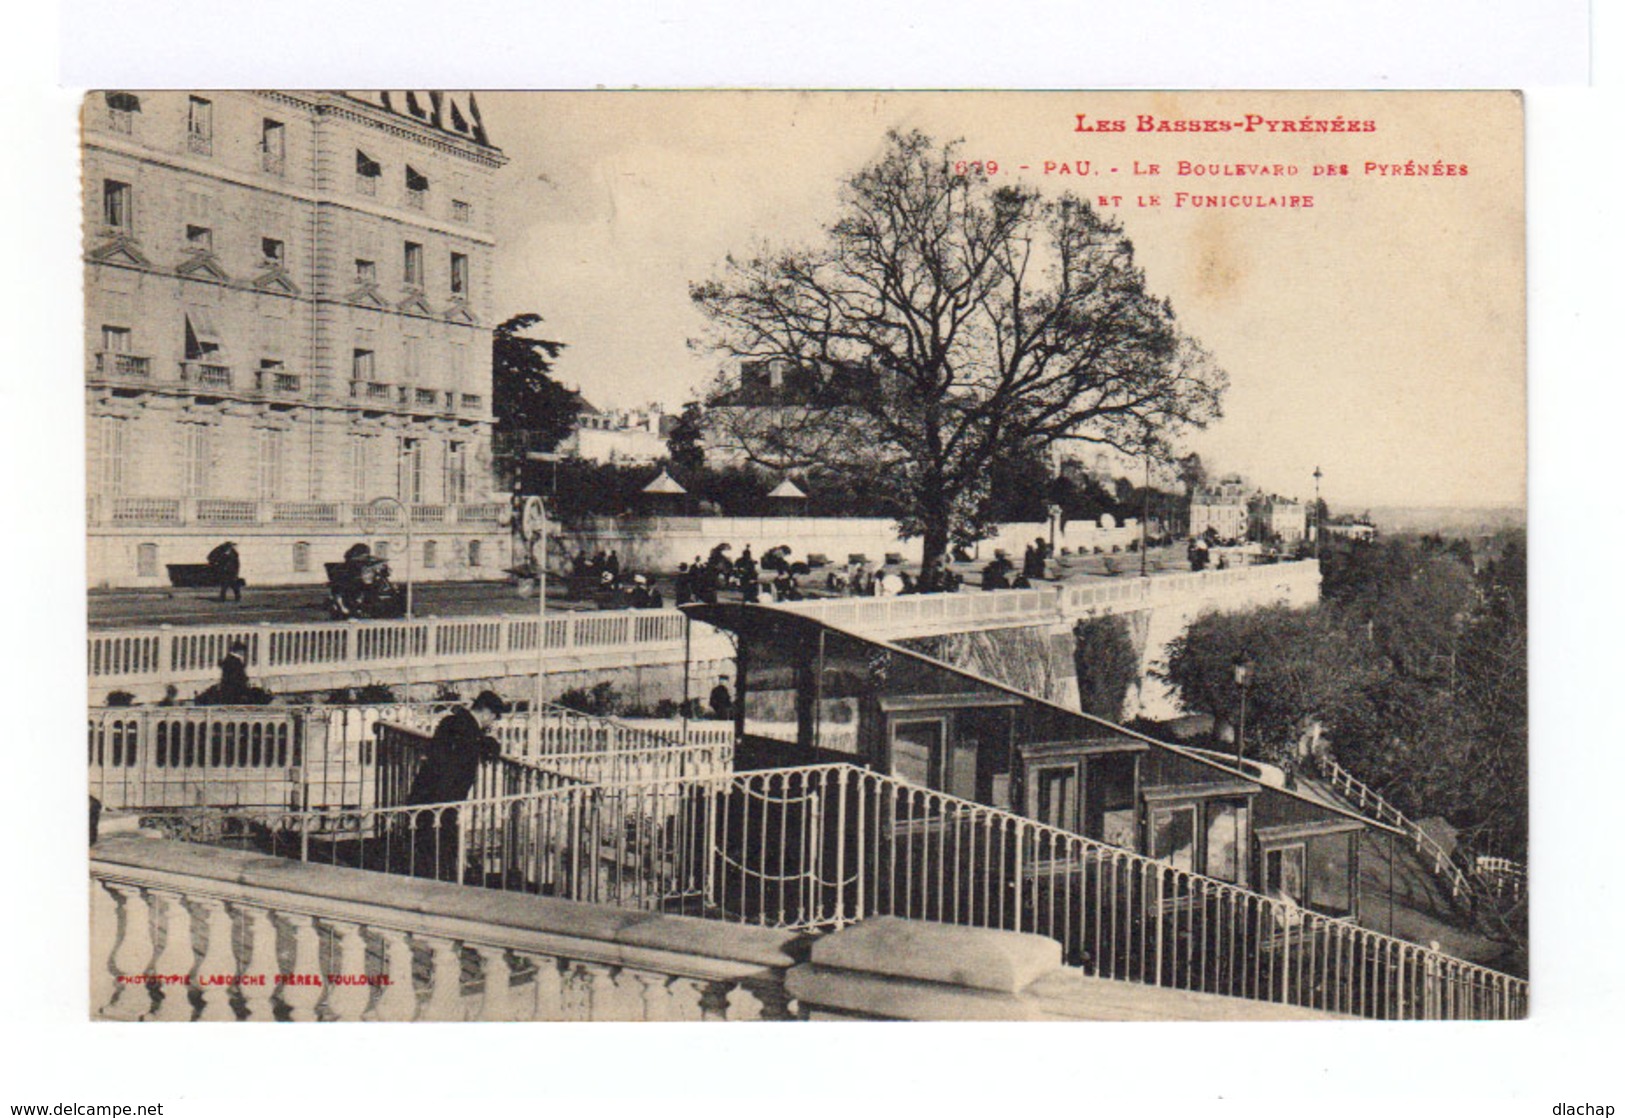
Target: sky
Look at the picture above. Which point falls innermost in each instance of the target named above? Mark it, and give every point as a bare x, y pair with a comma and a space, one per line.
1377, 334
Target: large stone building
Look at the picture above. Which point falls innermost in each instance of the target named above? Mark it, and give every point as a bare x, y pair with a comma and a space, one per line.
1222, 507
288, 316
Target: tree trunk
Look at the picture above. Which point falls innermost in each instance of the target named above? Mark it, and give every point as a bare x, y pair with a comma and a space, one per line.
936, 541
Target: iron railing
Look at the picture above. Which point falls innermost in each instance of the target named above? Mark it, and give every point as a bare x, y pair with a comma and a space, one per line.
824, 846
1372, 803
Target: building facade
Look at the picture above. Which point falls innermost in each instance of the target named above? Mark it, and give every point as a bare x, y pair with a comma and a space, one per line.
1221, 507
1279, 520
629, 436
288, 319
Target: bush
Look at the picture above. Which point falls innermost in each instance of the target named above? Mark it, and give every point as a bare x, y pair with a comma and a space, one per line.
602, 700
1106, 663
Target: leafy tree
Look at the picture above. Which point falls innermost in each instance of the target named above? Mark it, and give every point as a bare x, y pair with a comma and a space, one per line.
1106, 664
686, 442
1304, 668
951, 323
533, 411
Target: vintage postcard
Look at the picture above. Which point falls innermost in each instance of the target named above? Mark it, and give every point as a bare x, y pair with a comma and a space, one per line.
805, 556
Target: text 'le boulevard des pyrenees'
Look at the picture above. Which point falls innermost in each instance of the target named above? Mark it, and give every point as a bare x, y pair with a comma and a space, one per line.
805, 556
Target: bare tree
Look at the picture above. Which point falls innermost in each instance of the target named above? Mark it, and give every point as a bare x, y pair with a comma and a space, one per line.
947, 322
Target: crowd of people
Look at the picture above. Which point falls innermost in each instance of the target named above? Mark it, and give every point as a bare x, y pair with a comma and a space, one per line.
613, 587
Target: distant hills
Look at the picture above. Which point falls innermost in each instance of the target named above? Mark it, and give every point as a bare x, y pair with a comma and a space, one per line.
1450, 521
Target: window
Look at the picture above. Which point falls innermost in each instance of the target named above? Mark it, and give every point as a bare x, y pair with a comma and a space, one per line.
200, 125
367, 173
461, 211
417, 187
456, 474
116, 197
115, 339
273, 146
412, 261
358, 467
1055, 796
272, 251
1109, 784
1283, 873
202, 341
915, 747
146, 560
1226, 840
196, 461
409, 471
411, 359
270, 467
113, 447
431, 554
361, 364
199, 238
474, 556
121, 110
459, 273
366, 272
1173, 836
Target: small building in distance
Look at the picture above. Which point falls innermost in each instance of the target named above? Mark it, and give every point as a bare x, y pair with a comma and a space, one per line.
629, 436
1277, 520
1222, 507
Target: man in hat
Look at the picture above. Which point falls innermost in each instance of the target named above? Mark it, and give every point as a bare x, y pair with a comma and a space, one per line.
722, 704
227, 566
446, 775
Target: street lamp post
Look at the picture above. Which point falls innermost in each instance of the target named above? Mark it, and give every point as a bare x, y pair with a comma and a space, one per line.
1318, 526
1243, 674
406, 521
1145, 511
533, 528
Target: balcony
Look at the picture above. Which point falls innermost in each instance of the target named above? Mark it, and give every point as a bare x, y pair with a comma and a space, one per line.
273, 162
123, 366
199, 144
269, 382
473, 403
367, 185
376, 391
202, 374
417, 199
425, 397
121, 122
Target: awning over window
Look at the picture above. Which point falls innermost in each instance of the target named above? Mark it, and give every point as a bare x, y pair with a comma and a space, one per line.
416, 180
366, 166
200, 324
122, 102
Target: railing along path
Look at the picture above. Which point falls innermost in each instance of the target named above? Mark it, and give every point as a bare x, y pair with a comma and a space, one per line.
824, 846
191, 654
1490, 876
314, 757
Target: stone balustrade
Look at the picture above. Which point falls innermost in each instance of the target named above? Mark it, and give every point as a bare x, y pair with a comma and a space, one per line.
328, 654
204, 511
190, 933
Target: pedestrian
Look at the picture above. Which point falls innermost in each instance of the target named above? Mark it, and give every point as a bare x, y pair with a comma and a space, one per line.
233, 689
722, 703
612, 564
446, 775
685, 585
227, 566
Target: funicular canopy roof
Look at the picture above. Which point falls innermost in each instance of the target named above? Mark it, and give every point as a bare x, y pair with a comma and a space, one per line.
777, 632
